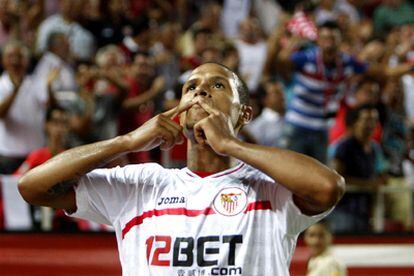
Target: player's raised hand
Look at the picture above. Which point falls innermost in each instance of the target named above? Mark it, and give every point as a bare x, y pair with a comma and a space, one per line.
160, 130
215, 130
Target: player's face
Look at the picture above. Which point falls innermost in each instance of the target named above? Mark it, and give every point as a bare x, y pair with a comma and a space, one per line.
213, 85
317, 238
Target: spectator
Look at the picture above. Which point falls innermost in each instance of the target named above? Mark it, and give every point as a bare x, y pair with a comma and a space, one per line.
233, 13
408, 88
395, 127
326, 12
139, 41
231, 57
394, 144
408, 164
320, 75
269, 14
81, 41
8, 24
19, 20
165, 54
318, 238
139, 106
348, 7
106, 21
22, 108
252, 52
367, 92
209, 19
267, 128
58, 56
56, 128
201, 40
360, 160
103, 92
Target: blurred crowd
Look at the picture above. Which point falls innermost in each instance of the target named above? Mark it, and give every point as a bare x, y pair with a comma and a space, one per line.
333, 79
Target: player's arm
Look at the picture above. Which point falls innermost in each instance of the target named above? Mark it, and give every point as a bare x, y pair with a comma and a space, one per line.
50, 184
316, 188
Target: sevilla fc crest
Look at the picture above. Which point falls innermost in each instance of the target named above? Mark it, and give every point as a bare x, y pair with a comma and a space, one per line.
230, 201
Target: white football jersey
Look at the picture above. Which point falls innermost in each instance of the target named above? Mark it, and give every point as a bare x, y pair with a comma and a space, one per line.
173, 222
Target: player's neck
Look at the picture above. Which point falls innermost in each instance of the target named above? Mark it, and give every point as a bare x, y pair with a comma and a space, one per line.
203, 158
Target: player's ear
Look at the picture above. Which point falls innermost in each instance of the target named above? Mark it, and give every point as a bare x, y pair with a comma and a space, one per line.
246, 114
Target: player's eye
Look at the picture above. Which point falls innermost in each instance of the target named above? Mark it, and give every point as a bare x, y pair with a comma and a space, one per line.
190, 87
218, 85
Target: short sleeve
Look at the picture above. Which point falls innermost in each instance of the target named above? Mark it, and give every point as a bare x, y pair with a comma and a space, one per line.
101, 194
299, 59
291, 220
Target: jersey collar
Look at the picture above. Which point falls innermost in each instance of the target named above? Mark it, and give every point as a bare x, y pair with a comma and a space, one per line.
214, 175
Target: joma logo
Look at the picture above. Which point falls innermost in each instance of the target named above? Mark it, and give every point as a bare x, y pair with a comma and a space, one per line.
171, 200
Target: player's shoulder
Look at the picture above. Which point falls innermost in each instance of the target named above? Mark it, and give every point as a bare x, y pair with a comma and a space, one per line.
134, 173
251, 173
144, 169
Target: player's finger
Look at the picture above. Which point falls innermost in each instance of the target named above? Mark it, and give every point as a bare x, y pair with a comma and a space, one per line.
171, 123
173, 128
208, 108
178, 109
199, 135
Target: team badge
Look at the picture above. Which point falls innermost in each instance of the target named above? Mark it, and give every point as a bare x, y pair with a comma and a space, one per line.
230, 201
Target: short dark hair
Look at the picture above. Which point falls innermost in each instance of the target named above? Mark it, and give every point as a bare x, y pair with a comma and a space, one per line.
352, 114
241, 86
330, 24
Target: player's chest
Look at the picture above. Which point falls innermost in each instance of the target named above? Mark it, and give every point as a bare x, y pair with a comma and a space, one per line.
193, 206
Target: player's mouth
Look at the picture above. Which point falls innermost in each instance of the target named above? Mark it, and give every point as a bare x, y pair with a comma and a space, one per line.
196, 112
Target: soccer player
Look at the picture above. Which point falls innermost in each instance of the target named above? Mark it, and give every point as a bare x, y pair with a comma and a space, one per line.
236, 209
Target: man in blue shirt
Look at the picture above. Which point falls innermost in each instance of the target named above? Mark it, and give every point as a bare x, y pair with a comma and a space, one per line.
319, 78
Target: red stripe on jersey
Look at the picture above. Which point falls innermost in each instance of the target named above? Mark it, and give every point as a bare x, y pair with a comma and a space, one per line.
258, 205
320, 77
169, 211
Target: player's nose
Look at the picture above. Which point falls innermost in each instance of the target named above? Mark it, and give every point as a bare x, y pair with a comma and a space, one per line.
202, 92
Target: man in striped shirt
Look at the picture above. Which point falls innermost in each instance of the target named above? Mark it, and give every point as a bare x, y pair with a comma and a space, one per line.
320, 75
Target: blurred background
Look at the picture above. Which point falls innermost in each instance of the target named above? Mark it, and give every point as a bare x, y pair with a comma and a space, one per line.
333, 79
